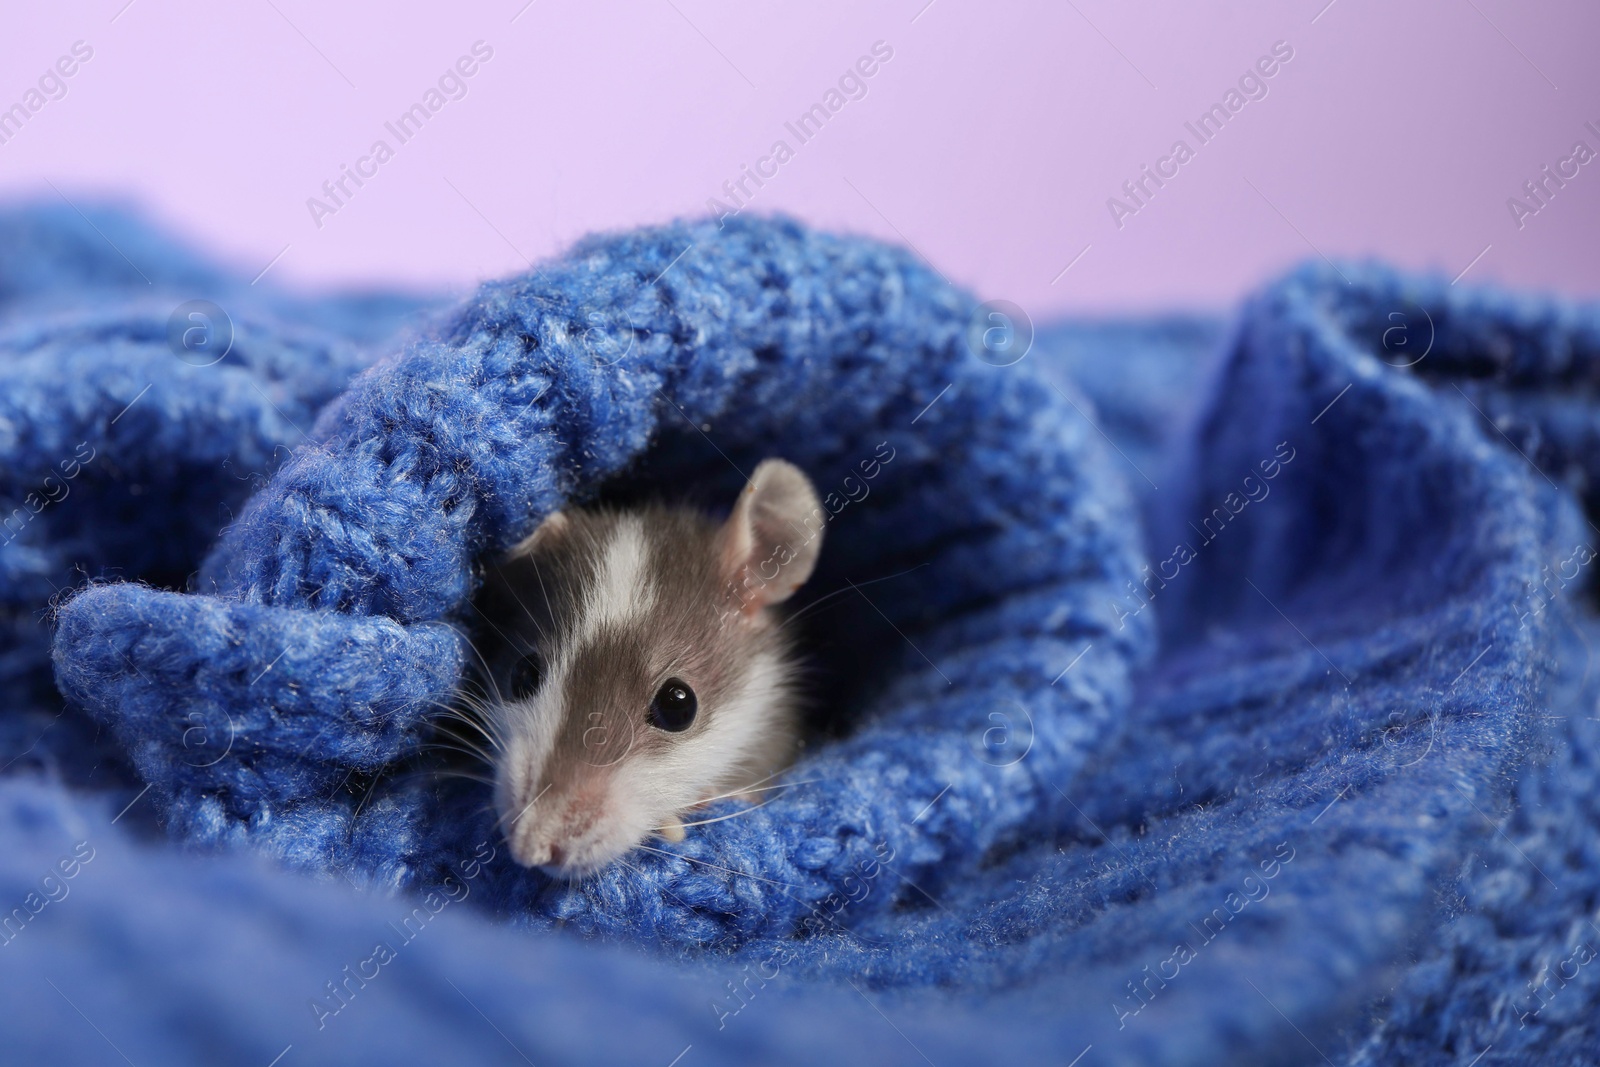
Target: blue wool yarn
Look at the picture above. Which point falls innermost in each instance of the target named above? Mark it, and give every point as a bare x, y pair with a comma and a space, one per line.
1202, 690
107, 473
823, 350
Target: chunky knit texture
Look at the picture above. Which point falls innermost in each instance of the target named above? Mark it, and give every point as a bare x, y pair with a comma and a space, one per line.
1194, 692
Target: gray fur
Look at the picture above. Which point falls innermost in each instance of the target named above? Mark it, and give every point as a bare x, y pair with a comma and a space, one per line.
702, 621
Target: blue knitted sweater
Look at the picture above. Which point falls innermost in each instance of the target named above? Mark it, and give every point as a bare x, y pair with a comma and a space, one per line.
1187, 691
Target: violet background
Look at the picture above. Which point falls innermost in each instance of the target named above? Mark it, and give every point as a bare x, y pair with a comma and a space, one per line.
990, 142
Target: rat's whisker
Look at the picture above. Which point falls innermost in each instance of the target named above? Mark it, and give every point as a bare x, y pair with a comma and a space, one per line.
453, 744
538, 572
524, 811
445, 723
783, 887
442, 742
644, 882
509, 586
803, 612
488, 674
754, 786
465, 700
538, 627
471, 698
730, 815
449, 771
713, 866
757, 787
446, 739
464, 775
481, 720
479, 730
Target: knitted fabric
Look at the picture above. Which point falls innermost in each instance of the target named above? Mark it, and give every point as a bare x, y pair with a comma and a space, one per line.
1185, 692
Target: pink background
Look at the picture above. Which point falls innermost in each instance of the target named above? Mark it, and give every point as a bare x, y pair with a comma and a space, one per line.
991, 141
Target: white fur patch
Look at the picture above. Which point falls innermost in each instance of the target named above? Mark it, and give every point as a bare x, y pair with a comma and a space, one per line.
531, 726
621, 590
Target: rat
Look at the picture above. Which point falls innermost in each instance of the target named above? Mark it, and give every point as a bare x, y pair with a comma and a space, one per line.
641, 670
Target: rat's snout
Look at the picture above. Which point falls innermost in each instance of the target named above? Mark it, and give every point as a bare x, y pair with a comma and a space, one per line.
567, 831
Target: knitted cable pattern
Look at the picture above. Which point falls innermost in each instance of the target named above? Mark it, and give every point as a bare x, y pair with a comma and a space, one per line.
1344, 810
332, 617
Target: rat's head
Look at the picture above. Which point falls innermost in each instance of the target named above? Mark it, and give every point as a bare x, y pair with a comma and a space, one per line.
642, 673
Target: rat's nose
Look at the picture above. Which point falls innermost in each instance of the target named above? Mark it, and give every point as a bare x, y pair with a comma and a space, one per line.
539, 854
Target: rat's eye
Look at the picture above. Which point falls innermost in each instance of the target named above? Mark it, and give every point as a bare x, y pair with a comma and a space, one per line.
674, 706
525, 676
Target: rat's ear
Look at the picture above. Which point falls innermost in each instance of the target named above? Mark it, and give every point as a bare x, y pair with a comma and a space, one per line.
551, 530
519, 566
771, 541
